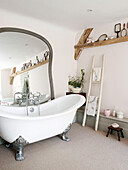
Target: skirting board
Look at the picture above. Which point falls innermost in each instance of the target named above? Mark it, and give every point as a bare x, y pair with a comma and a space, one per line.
104, 122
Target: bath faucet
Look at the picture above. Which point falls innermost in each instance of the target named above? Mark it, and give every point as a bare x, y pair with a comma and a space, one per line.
32, 99
20, 99
36, 96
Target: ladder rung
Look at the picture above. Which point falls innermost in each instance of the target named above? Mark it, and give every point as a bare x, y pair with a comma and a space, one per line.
96, 82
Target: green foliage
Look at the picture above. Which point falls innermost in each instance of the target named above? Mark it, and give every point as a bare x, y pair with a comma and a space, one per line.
26, 87
77, 81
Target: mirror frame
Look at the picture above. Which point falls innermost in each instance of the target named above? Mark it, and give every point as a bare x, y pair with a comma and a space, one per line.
20, 30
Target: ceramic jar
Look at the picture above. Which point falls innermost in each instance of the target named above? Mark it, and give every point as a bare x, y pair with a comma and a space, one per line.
107, 112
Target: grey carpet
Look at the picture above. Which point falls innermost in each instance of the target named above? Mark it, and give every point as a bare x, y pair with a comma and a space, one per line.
87, 150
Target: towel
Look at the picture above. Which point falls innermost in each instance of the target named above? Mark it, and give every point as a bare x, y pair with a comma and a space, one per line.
92, 105
96, 74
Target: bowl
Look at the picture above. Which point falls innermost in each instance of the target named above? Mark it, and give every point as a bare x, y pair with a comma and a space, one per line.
120, 115
76, 90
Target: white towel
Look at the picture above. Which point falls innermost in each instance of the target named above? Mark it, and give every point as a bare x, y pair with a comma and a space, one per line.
96, 74
92, 105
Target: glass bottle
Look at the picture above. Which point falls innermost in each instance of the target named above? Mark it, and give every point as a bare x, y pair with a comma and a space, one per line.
114, 112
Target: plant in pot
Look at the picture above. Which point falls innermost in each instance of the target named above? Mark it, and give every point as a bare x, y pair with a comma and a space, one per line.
76, 83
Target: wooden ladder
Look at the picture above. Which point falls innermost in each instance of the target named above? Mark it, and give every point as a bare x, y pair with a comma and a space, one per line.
89, 91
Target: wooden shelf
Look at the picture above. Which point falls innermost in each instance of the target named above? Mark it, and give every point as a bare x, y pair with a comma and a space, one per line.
27, 69
102, 43
81, 109
114, 118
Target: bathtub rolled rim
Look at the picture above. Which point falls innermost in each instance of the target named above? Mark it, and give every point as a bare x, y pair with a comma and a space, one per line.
81, 101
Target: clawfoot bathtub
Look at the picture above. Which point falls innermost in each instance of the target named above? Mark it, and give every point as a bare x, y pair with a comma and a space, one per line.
55, 118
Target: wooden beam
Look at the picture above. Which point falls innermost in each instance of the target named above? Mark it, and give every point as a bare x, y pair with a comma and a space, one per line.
82, 41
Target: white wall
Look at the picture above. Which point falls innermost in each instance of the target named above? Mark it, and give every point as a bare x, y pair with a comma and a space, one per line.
38, 80
116, 69
16, 86
61, 39
6, 88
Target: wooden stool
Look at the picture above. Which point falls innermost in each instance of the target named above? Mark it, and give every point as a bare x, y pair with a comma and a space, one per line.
110, 128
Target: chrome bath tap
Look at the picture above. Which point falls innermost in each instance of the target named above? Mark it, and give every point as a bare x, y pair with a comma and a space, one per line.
19, 99
32, 99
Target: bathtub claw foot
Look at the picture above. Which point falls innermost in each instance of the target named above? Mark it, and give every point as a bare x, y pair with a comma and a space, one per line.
8, 145
19, 155
63, 135
19, 145
65, 138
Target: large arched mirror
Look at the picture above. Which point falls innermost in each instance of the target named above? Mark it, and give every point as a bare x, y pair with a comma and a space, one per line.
25, 65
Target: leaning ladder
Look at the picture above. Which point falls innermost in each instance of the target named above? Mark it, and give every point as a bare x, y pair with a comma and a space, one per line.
100, 93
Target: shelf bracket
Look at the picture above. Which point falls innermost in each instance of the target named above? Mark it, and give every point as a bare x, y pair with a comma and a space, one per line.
82, 40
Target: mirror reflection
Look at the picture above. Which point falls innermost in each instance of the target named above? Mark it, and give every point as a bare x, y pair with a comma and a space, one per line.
23, 69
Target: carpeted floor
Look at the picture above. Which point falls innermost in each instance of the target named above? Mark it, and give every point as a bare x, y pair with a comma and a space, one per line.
87, 150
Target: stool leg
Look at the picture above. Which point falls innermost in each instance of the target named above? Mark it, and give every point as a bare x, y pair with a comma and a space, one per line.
122, 134
108, 132
118, 136
111, 131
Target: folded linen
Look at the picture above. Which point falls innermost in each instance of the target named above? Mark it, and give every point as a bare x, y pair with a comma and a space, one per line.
92, 105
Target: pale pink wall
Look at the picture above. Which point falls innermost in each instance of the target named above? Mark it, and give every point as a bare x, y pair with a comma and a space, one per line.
61, 39
115, 87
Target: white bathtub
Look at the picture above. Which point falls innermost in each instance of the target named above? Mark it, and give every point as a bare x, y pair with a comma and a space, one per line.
55, 117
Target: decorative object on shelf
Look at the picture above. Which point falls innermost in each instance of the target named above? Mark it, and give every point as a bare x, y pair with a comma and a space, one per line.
102, 37
43, 59
120, 115
123, 32
111, 37
24, 66
27, 65
114, 112
107, 112
117, 29
30, 63
37, 60
46, 55
89, 40
76, 83
82, 40
93, 41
